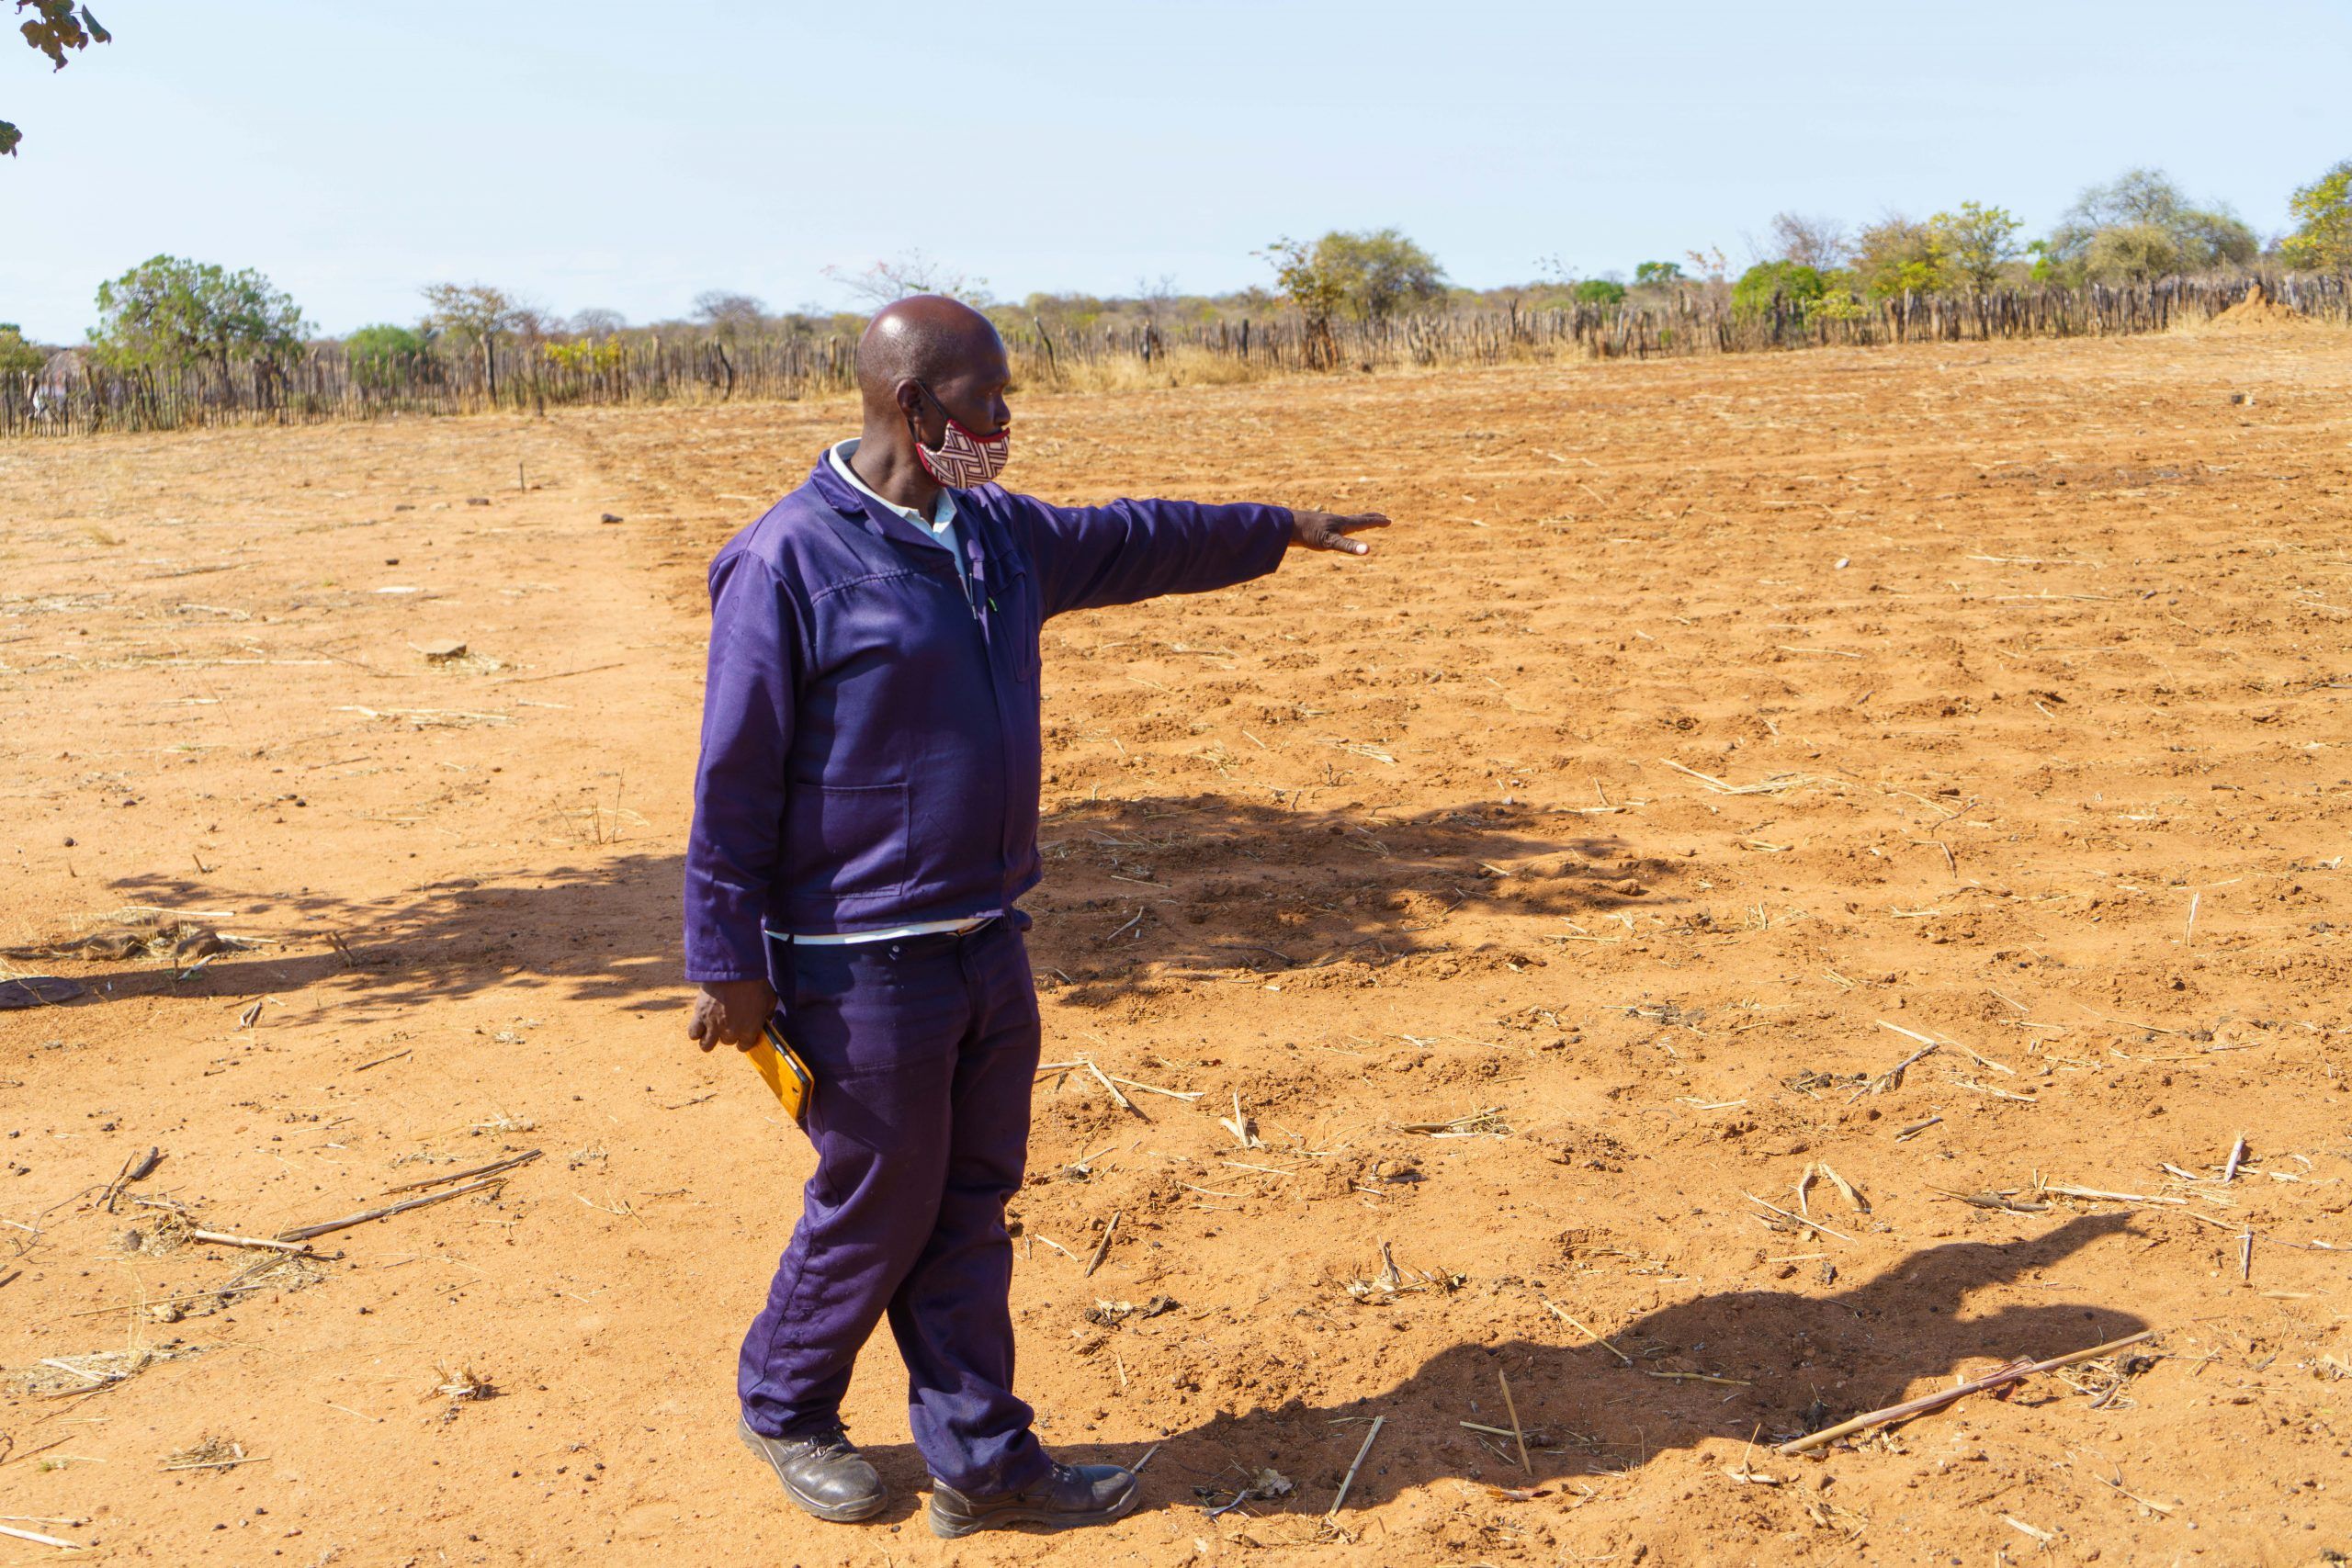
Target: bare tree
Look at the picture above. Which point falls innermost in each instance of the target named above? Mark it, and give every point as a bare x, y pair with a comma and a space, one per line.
1817, 242
914, 273
480, 315
597, 323
1156, 297
2197, 237
731, 315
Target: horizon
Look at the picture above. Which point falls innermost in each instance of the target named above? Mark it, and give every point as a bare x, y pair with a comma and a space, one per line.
576, 166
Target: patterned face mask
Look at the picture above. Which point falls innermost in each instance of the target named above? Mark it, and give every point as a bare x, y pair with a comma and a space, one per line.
963, 459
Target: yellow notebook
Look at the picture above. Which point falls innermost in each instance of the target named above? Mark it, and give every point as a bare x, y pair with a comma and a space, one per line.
786, 1076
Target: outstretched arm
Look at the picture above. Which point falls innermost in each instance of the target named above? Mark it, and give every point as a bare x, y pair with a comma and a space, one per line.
1127, 550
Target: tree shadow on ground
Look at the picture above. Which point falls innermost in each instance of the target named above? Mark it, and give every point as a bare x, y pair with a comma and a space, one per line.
606, 932
1784, 1363
1212, 884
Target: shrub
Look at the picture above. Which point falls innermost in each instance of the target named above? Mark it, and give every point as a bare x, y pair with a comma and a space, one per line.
1600, 291
586, 355
384, 340
380, 354
1658, 272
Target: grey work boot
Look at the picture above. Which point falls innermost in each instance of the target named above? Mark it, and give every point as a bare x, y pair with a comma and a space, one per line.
1069, 1495
822, 1473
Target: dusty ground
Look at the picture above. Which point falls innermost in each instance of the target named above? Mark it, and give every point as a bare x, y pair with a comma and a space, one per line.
2004, 694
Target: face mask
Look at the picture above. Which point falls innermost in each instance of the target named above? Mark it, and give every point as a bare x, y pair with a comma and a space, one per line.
963, 459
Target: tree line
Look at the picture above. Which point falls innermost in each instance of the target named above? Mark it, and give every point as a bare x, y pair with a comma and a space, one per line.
326, 382
195, 323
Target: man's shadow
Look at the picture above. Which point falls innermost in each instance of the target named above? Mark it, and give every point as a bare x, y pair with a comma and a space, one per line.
601, 930
1189, 886
1771, 1365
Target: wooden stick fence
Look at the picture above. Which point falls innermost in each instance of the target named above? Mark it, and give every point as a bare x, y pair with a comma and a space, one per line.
76, 395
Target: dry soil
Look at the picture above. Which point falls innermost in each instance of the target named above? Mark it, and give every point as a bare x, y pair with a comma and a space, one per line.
1519, 917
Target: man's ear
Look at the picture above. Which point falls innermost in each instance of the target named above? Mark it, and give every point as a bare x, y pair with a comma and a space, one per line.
913, 407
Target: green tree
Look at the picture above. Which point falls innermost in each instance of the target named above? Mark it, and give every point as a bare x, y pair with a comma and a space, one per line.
1658, 272
1977, 239
168, 313
1601, 291
1898, 255
17, 358
56, 27
1378, 271
1793, 281
2323, 242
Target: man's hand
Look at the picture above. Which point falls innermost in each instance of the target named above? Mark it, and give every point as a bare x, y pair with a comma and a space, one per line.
1329, 530
731, 1012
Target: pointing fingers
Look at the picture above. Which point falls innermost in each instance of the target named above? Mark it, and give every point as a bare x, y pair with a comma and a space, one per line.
1333, 536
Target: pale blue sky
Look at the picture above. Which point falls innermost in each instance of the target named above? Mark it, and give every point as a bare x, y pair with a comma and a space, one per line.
595, 153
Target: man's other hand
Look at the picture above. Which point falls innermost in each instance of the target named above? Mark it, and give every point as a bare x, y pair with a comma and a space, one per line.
1329, 530
731, 1012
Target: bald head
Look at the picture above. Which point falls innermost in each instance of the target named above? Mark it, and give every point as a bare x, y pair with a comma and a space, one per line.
927, 338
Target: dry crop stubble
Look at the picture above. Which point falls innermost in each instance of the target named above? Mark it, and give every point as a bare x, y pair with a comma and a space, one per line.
1538, 910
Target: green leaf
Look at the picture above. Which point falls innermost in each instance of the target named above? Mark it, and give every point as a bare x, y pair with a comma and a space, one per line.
98, 33
9, 137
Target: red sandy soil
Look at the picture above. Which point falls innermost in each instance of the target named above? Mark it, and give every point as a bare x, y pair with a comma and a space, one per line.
2006, 687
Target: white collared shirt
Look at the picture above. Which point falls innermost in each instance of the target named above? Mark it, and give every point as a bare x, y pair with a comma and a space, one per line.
941, 528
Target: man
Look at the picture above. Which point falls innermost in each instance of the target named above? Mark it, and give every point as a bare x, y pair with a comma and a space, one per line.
865, 814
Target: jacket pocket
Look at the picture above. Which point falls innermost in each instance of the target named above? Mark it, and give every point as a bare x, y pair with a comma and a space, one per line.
1017, 624
847, 841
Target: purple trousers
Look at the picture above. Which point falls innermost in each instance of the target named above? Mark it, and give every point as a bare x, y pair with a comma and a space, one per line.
923, 1050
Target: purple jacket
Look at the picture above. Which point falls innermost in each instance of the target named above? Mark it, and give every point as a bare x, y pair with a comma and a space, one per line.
870, 743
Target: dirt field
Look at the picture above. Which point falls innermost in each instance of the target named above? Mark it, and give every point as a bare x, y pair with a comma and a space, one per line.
1706, 740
